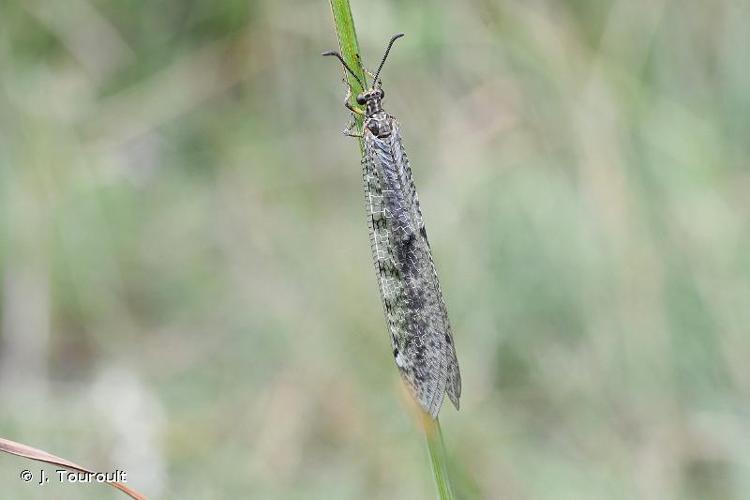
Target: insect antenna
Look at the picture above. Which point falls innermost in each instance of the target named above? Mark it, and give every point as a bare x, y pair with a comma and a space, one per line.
385, 56
336, 54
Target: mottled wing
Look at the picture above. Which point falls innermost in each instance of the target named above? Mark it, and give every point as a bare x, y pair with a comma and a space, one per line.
453, 386
414, 308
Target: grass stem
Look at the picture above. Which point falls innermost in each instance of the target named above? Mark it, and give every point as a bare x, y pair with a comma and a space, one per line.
438, 457
349, 48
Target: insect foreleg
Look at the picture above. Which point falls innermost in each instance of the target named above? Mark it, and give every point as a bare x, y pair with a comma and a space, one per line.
349, 128
347, 100
367, 71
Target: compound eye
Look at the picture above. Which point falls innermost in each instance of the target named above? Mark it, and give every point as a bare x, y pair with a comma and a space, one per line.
361, 100
381, 92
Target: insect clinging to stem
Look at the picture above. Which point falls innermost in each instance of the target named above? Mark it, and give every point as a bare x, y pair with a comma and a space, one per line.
417, 319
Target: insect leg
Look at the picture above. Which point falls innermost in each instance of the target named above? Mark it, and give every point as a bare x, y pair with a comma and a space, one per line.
349, 128
350, 107
347, 101
367, 71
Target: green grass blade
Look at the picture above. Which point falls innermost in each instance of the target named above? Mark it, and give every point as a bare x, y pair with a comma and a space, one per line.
438, 457
349, 47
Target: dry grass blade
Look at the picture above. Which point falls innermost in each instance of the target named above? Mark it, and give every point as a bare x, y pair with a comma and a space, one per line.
24, 451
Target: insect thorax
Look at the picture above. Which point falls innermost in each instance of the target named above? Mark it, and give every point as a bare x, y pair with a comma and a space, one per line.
379, 124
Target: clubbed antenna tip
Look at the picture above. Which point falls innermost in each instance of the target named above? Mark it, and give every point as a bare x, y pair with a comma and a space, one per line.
385, 56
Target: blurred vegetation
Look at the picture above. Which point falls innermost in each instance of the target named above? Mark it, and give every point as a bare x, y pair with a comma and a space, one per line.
187, 292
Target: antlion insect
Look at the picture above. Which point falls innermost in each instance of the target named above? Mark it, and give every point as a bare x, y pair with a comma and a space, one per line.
414, 308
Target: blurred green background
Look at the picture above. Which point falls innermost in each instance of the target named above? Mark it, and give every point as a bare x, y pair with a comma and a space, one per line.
187, 290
